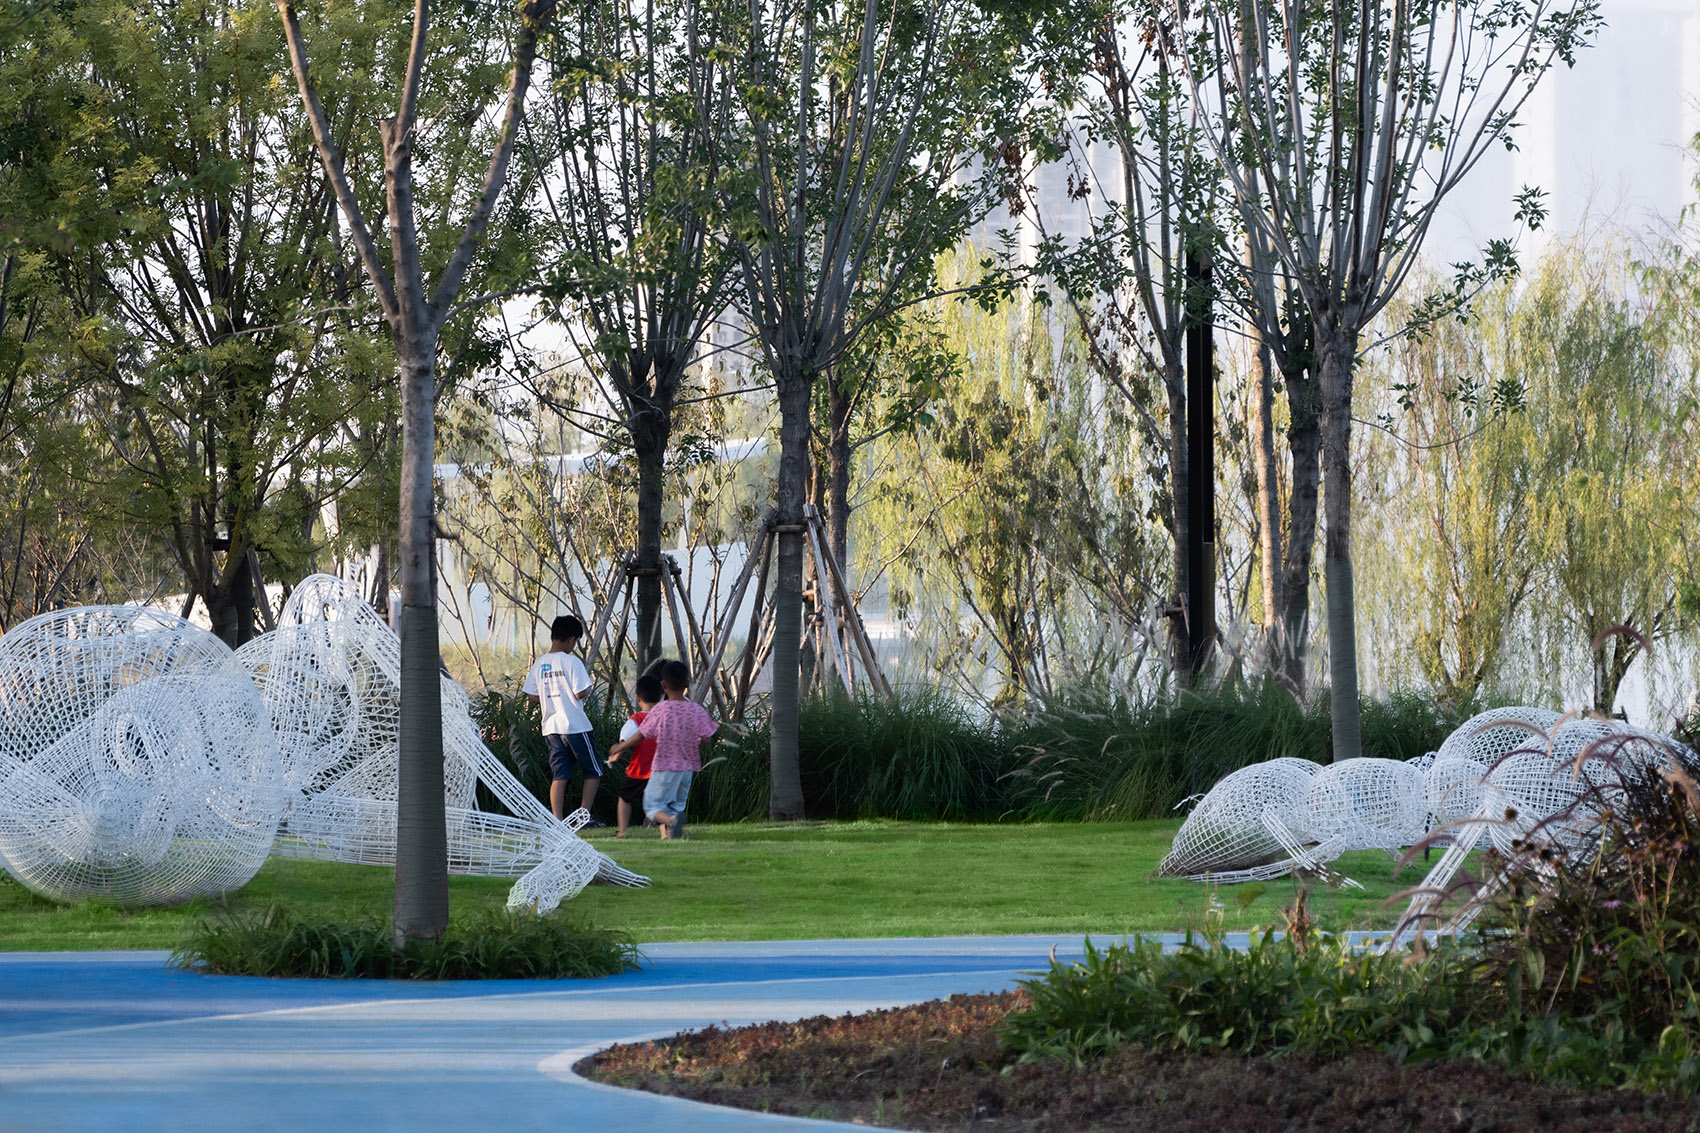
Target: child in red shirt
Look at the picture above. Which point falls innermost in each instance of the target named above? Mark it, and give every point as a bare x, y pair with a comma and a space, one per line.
648, 691
679, 726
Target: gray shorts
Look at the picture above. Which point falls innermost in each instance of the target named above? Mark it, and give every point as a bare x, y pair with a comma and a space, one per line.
667, 791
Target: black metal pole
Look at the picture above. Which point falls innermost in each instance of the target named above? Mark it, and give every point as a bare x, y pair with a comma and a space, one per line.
1200, 461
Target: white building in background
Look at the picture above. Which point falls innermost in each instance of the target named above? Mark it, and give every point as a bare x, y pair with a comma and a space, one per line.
1608, 139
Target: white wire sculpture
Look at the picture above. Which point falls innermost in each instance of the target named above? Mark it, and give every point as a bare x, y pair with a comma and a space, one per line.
1503, 777
330, 675
1242, 830
1269, 819
137, 761
1546, 785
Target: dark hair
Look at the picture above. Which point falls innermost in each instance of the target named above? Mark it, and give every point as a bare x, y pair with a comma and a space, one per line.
566, 628
676, 675
648, 688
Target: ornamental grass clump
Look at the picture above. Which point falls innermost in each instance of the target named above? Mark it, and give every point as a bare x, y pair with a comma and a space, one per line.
495, 945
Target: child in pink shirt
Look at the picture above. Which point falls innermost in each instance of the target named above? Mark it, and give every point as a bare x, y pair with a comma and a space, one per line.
678, 726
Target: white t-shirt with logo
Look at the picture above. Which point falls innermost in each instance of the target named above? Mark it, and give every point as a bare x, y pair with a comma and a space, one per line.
556, 679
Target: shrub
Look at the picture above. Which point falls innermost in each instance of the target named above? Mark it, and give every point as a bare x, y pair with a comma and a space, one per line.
1605, 937
497, 945
1274, 997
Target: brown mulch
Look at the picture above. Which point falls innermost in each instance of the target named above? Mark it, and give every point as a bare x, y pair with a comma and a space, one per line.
939, 1066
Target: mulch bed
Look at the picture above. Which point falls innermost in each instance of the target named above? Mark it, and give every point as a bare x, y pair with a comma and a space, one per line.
939, 1066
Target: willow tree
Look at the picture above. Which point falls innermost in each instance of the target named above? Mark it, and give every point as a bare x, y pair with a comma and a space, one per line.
1449, 487
1339, 128
416, 290
873, 139
1605, 353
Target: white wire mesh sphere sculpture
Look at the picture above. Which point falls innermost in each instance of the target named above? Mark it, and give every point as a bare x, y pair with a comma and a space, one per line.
331, 677
1544, 787
1366, 804
1225, 837
137, 761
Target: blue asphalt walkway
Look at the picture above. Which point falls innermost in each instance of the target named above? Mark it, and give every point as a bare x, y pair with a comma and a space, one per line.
117, 1040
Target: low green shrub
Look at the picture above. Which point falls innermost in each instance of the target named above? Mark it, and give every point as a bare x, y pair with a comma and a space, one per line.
498, 945
1273, 997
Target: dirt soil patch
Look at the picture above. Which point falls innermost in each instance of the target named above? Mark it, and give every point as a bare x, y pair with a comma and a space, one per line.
939, 1066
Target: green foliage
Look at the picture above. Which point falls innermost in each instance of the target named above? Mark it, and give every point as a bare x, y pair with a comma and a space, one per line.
491, 946
1275, 996
916, 756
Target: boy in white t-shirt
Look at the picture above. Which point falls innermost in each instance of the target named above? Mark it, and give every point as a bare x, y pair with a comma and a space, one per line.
558, 684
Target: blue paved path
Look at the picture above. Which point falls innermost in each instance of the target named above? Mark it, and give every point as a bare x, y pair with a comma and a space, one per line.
119, 1041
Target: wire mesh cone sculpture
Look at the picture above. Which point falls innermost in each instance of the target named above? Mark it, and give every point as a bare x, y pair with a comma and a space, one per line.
137, 761
330, 675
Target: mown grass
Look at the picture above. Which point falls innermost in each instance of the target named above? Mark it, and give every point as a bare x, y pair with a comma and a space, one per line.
761, 881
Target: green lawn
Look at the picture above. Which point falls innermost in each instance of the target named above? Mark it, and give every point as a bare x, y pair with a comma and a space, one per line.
760, 881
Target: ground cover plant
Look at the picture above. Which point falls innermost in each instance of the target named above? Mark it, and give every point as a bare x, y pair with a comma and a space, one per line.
762, 881
486, 946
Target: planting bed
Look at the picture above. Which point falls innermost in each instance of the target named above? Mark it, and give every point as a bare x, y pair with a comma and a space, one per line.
940, 1066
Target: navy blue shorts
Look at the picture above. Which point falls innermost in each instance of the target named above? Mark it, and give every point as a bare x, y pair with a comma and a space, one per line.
565, 751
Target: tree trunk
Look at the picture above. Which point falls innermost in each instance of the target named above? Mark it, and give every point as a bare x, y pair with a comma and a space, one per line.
838, 473
422, 856
785, 798
1337, 352
230, 603
1304, 444
839, 406
651, 428
1180, 518
1268, 509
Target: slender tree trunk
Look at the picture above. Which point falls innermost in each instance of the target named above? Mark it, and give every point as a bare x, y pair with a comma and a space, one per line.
1268, 506
1337, 352
838, 474
1180, 527
1304, 444
422, 856
651, 429
785, 798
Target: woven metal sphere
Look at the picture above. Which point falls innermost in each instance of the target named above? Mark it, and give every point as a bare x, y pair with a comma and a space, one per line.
1225, 837
1366, 804
137, 761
